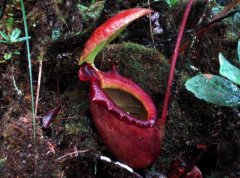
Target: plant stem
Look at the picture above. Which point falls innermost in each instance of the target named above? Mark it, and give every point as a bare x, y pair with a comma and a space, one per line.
19, 92
173, 65
30, 76
150, 26
38, 86
72, 153
224, 13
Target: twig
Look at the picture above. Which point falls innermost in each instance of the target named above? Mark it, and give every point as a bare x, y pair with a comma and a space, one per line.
38, 86
215, 20
72, 153
173, 65
199, 30
19, 92
226, 9
150, 26
105, 159
224, 13
118, 164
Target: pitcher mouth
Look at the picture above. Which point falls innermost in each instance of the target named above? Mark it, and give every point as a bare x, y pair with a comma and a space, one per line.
127, 102
121, 96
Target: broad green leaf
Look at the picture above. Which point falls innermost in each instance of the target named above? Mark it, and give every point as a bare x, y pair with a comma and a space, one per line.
15, 34
228, 70
214, 89
4, 35
238, 50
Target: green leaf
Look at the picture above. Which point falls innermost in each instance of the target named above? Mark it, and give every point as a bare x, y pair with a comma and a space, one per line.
171, 2
22, 39
214, 89
4, 35
82, 7
3, 41
228, 70
10, 22
16, 52
238, 50
7, 56
15, 34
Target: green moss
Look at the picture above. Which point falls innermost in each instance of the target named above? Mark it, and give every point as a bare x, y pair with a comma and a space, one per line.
78, 127
146, 66
80, 131
134, 47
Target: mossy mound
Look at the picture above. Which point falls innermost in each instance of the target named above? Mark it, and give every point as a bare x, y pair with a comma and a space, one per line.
146, 66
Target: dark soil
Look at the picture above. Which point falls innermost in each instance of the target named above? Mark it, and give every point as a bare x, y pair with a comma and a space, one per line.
197, 132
